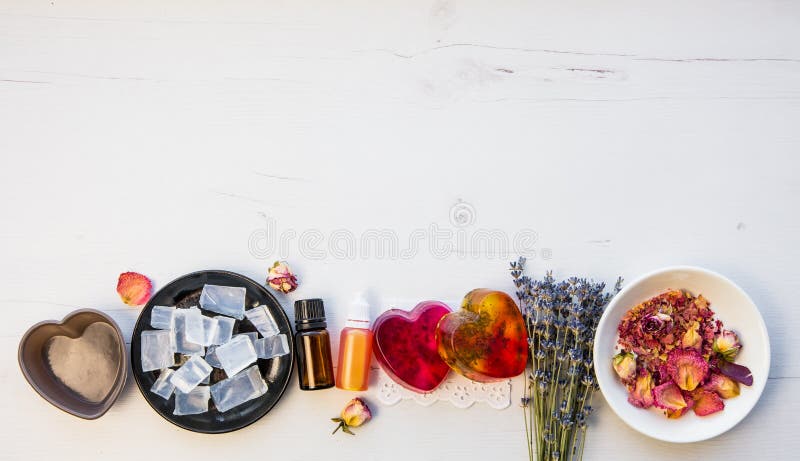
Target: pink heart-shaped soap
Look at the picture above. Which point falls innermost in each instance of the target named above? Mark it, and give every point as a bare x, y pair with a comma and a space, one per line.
405, 346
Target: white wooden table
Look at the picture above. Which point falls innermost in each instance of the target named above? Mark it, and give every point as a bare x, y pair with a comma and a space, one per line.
168, 136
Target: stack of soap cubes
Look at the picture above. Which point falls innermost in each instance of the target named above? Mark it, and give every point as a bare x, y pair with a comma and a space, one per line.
203, 343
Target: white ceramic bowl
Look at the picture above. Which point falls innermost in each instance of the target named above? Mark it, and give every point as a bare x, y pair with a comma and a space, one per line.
737, 312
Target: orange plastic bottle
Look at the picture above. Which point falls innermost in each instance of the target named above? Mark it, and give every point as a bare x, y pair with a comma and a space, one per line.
355, 348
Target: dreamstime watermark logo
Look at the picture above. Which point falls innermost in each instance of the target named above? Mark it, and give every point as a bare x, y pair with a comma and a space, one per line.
461, 238
462, 214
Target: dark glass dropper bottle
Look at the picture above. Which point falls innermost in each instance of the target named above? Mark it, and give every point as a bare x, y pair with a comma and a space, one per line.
313, 345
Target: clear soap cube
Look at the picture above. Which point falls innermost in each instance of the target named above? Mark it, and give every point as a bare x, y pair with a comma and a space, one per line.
162, 317
173, 337
192, 402
211, 357
156, 350
240, 388
224, 300
182, 344
193, 323
163, 387
236, 354
224, 329
210, 327
192, 373
251, 335
263, 322
274, 346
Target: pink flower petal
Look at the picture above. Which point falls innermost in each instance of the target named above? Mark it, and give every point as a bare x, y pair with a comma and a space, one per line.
668, 396
687, 368
692, 338
134, 288
707, 402
642, 393
675, 414
724, 386
735, 371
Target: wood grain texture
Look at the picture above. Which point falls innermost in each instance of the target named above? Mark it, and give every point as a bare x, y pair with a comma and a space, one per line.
162, 136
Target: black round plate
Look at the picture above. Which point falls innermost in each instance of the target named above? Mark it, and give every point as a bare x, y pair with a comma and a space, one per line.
185, 292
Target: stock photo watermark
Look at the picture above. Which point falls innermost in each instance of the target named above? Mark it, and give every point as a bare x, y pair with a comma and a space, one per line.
461, 238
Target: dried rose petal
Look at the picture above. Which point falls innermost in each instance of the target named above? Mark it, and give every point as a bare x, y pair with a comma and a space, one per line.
707, 402
134, 288
625, 365
727, 345
687, 368
724, 386
692, 338
701, 303
642, 393
737, 372
668, 396
675, 414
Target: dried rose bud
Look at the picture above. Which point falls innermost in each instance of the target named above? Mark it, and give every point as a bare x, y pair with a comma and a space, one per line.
687, 368
355, 413
281, 278
625, 365
134, 288
654, 323
727, 345
724, 386
692, 338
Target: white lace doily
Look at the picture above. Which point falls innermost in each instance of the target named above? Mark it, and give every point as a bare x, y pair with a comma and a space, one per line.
456, 389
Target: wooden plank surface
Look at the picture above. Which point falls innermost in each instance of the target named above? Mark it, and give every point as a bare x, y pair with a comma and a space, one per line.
169, 137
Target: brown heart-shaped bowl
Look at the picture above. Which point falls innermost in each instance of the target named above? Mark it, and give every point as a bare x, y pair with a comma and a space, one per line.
79, 364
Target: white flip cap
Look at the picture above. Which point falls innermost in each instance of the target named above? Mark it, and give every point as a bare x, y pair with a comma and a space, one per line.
358, 313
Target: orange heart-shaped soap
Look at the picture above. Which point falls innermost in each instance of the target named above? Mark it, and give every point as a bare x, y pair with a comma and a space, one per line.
486, 340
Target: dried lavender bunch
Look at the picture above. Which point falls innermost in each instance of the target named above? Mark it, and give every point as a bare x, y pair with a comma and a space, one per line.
561, 317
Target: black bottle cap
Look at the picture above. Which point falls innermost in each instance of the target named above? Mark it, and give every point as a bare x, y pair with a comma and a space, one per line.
309, 314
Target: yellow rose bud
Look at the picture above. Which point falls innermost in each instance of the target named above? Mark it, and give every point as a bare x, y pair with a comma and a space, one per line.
625, 365
354, 414
727, 345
